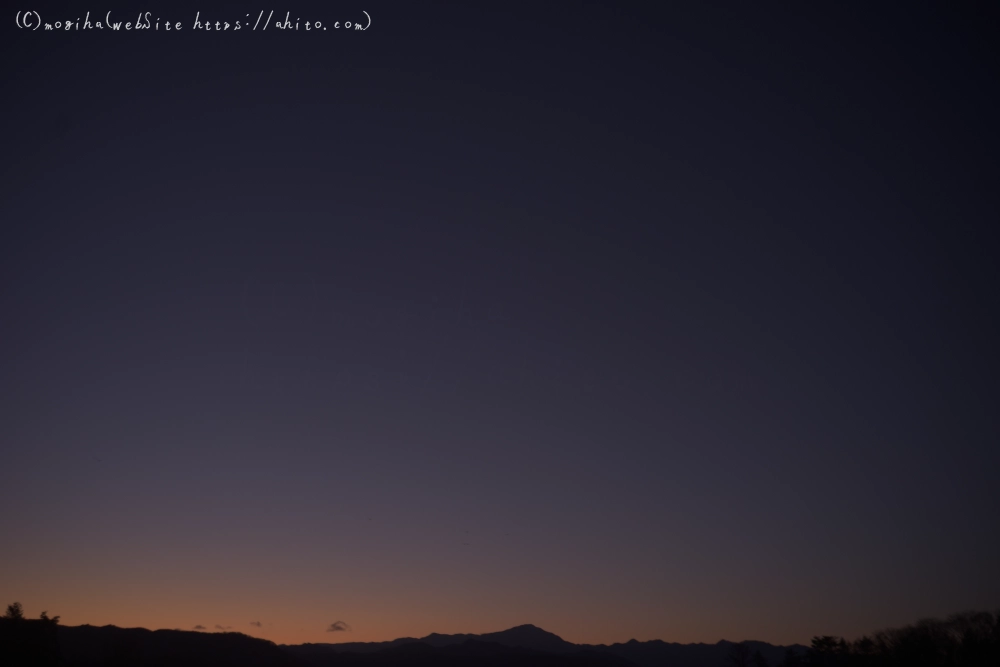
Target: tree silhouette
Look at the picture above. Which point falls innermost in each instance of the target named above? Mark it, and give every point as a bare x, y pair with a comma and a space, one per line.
45, 617
827, 651
739, 655
792, 659
14, 612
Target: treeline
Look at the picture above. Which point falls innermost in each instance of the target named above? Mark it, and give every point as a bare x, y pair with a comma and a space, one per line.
28, 642
971, 639
15, 613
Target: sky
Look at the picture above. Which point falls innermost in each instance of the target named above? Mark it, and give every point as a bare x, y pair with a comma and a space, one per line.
628, 320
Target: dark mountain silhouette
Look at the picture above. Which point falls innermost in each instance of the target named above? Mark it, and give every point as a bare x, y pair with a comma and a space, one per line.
352, 647
970, 639
90, 646
467, 653
529, 637
523, 636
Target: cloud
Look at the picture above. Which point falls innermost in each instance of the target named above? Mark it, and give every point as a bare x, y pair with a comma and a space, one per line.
338, 626
199, 627
256, 624
221, 627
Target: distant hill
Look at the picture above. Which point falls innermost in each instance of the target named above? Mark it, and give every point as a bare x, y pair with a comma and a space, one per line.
110, 646
967, 639
536, 641
467, 653
37, 644
523, 636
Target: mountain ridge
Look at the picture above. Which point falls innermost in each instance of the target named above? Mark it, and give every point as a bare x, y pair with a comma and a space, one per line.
524, 645
649, 653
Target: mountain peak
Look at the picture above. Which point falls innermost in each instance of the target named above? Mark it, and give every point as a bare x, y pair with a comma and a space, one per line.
530, 636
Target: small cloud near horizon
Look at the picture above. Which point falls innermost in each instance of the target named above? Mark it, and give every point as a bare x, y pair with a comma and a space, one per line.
199, 627
256, 624
227, 627
338, 626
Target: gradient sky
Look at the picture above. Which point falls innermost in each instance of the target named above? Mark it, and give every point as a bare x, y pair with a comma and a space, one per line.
664, 320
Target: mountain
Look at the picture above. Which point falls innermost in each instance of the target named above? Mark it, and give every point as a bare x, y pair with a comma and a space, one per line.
523, 636
107, 646
350, 647
536, 641
41, 644
467, 653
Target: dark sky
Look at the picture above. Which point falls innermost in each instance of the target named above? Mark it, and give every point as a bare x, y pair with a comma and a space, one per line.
653, 320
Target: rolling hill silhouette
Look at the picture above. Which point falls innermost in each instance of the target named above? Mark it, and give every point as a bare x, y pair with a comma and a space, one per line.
522, 636
527, 644
969, 639
107, 646
31, 643
467, 653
